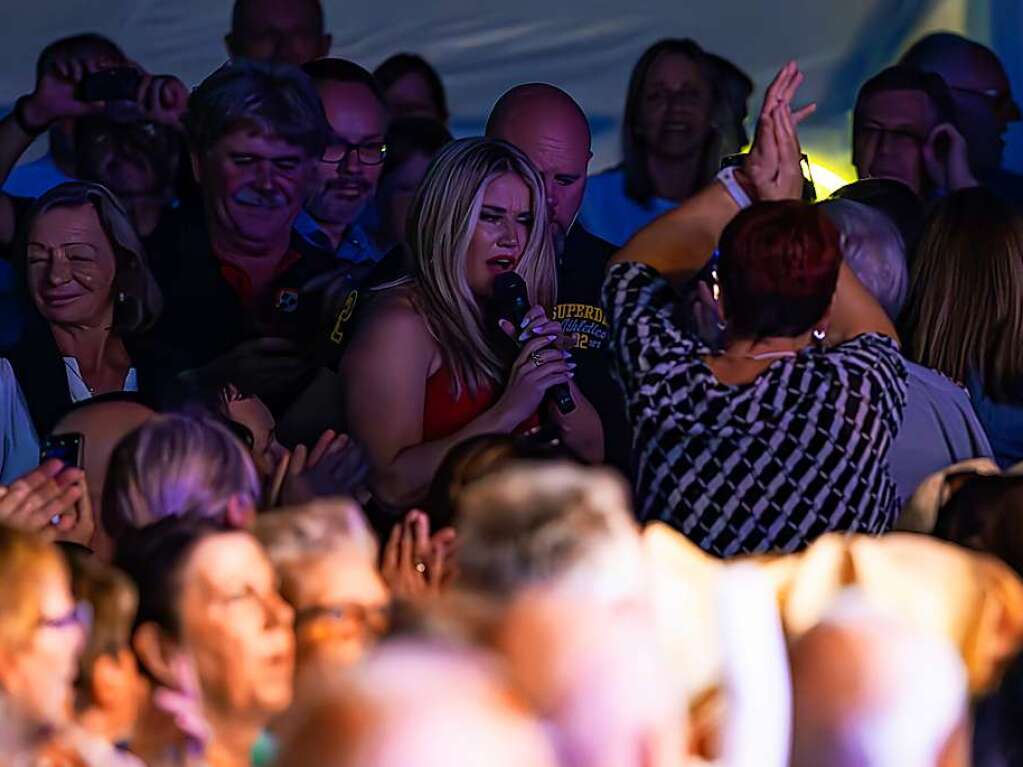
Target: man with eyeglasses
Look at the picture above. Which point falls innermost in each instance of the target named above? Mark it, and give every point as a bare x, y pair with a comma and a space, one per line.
982, 97
904, 128
345, 177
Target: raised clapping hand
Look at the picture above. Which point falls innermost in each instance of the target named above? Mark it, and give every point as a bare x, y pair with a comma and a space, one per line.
416, 564
773, 163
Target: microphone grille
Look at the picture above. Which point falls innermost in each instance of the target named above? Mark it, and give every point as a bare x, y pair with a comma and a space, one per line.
509, 282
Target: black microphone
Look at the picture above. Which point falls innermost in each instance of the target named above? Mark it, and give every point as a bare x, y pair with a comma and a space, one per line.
512, 302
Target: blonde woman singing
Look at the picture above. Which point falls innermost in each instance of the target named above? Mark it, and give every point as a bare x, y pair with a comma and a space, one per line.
428, 368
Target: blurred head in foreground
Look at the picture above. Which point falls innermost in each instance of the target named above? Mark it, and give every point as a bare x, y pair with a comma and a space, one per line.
417, 704
558, 526
869, 692
555, 547
325, 557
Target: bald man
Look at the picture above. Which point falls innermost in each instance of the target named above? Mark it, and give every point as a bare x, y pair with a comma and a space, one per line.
552, 130
979, 89
102, 422
596, 675
869, 692
286, 31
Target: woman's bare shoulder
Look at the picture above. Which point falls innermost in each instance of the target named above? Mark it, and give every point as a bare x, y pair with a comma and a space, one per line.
394, 326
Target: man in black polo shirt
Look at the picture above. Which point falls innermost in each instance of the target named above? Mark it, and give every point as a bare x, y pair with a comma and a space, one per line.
552, 130
241, 289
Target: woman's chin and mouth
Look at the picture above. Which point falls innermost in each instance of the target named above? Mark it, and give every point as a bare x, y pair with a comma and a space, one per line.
278, 680
57, 301
64, 309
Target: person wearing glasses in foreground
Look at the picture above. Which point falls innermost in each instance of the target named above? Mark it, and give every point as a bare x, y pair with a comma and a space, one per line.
42, 634
784, 434
325, 557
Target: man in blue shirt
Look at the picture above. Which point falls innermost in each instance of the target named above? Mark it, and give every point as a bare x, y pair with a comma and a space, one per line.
32, 179
346, 177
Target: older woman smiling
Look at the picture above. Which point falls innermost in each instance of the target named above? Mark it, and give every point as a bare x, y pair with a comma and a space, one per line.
93, 295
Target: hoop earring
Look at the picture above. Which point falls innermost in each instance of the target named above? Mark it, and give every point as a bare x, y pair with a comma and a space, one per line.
820, 336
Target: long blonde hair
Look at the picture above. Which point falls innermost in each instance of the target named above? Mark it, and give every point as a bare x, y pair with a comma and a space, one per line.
443, 217
965, 310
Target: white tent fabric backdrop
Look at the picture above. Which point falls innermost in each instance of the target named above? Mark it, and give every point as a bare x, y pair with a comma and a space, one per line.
585, 46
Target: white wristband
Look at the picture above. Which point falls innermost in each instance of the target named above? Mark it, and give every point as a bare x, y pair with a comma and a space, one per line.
727, 178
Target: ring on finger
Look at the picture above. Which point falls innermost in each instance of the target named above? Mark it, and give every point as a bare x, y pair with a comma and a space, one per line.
421, 567
536, 358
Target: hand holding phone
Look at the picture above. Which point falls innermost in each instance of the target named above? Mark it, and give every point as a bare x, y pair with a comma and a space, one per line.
56, 93
67, 448
117, 84
75, 522
49, 492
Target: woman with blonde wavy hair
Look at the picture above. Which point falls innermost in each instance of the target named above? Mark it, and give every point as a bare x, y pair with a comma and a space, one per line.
430, 366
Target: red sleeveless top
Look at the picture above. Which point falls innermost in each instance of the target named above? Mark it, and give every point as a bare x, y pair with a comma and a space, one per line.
443, 415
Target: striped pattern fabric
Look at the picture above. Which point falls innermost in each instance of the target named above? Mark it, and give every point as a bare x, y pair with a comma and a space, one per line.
764, 466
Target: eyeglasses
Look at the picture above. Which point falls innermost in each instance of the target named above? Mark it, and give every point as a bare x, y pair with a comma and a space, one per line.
370, 153
898, 135
1000, 101
79, 616
352, 616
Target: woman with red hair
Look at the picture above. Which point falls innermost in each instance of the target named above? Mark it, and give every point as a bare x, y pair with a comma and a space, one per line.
784, 434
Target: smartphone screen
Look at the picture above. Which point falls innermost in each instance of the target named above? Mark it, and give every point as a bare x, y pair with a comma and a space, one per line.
120, 84
67, 448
